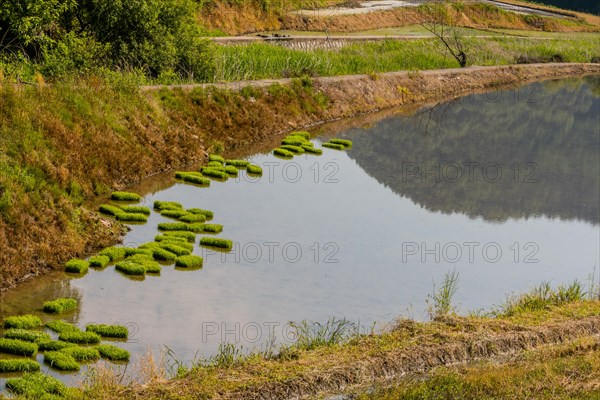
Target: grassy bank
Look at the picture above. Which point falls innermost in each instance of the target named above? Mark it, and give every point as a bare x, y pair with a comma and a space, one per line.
545, 349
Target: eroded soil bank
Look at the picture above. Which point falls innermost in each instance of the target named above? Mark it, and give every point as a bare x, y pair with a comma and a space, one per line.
69, 142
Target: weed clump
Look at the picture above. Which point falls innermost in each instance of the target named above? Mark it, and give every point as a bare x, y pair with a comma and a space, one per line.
216, 242
59, 326
254, 169
19, 365
77, 266
237, 163
37, 385
281, 152
213, 228
99, 261
125, 196
26, 321
61, 361
59, 305
189, 261
26, 335
79, 337
108, 331
18, 347
82, 354
113, 353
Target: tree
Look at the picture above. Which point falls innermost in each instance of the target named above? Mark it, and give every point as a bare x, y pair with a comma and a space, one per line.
443, 26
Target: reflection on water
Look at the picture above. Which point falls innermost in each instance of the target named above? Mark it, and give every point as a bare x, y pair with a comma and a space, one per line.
358, 235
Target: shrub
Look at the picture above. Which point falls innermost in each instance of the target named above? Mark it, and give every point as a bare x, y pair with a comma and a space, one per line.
215, 157
333, 146
312, 150
99, 261
216, 242
167, 205
163, 255
207, 213
213, 228
215, 173
77, 266
172, 226
125, 196
293, 149
60, 305
113, 353
18, 347
136, 209
60, 360
130, 217
283, 153
237, 163
53, 345
79, 337
172, 239
26, 335
175, 249
26, 321
114, 253
61, 326
189, 261
343, 142
110, 331
254, 169
19, 365
130, 268
36, 383
302, 134
82, 354
189, 236
109, 209
193, 217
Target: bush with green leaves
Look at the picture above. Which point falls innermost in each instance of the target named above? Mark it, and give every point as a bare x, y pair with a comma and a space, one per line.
77, 266
60, 305
189, 261
36, 385
254, 169
113, 353
79, 337
61, 360
99, 261
18, 347
19, 365
125, 196
82, 354
108, 331
216, 242
26, 335
59, 326
26, 321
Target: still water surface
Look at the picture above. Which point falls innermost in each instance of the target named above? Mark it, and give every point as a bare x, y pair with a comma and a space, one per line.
503, 187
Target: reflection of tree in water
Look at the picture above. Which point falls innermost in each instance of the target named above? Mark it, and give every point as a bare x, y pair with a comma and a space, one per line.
544, 138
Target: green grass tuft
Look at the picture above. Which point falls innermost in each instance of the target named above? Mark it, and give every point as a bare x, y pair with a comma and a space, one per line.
231, 170
130, 268
237, 163
190, 218
77, 266
26, 321
343, 142
333, 146
61, 361
113, 353
59, 326
36, 385
175, 249
193, 177
163, 255
110, 210
53, 345
216, 157
213, 228
293, 149
185, 245
207, 213
82, 354
167, 205
125, 196
172, 226
18, 347
26, 335
136, 209
254, 169
172, 239
189, 236
99, 261
130, 217
216, 242
215, 173
283, 153
114, 253
19, 365
108, 331
196, 227
173, 213
189, 261
135, 251
60, 305
293, 141
312, 150
302, 134
79, 337
214, 164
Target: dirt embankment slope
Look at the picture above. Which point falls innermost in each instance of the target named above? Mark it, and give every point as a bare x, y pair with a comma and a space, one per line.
65, 143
